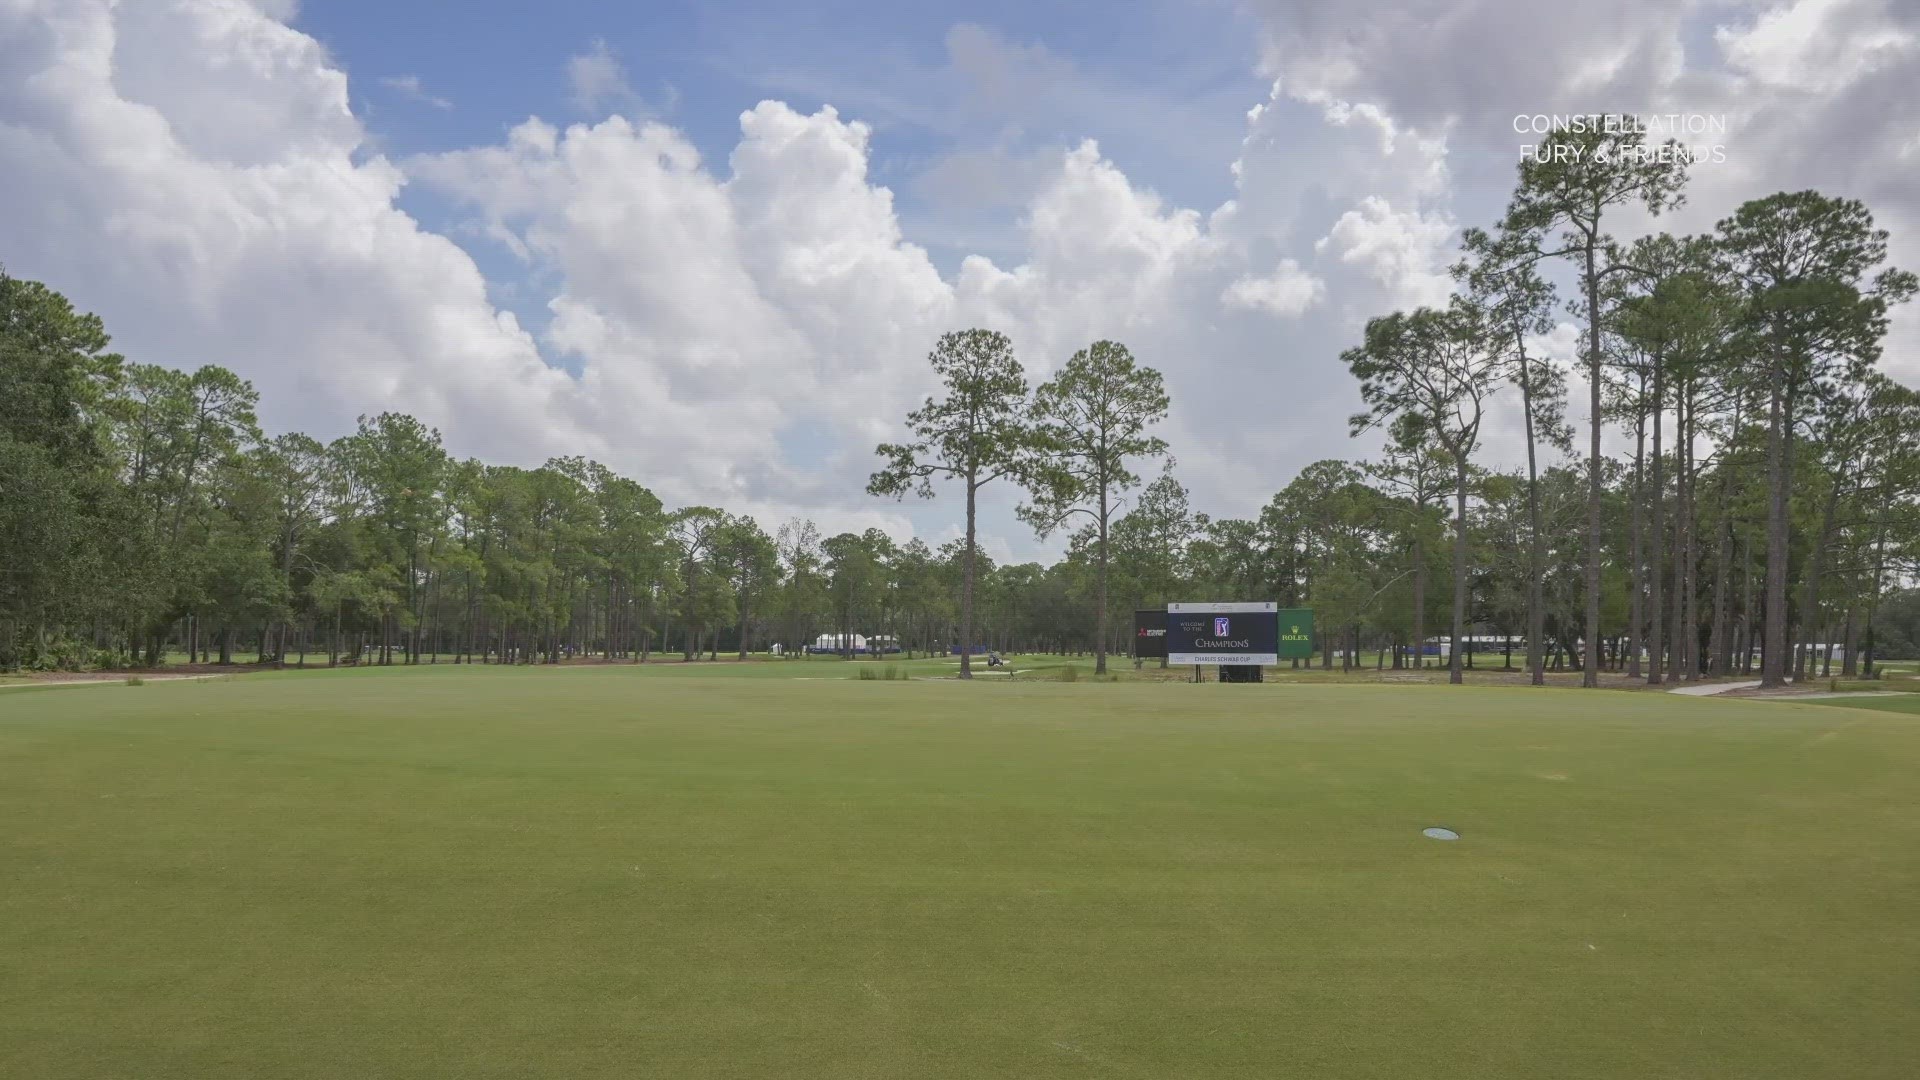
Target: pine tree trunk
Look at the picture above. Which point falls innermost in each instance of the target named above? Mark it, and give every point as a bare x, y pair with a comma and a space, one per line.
1634, 569
1459, 569
1100, 589
1419, 599
1536, 608
966, 583
1683, 645
1656, 645
746, 616
1720, 638
1677, 610
686, 655
1873, 595
1773, 659
1590, 669
1810, 585
1749, 605
1692, 594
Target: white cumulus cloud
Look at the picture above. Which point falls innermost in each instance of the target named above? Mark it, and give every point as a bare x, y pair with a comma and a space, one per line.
1288, 291
1405, 250
195, 174
409, 87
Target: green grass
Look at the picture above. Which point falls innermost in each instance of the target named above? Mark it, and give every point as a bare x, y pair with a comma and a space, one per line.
1905, 703
623, 872
1896, 684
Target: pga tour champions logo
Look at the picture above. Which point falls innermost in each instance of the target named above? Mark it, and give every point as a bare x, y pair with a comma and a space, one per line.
1220, 626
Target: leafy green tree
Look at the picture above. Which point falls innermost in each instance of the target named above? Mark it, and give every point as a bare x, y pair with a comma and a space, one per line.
1090, 420
1413, 475
292, 473
633, 545
177, 430
397, 469
981, 431
59, 507
1228, 558
512, 566
1330, 518
1429, 375
1150, 541
914, 583
567, 518
695, 533
465, 561
752, 567
1890, 499
333, 592
1817, 313
856, 573
1862, 434
1506, 282
1645, 321
951, 561
240, 584
803, 591
1559, 210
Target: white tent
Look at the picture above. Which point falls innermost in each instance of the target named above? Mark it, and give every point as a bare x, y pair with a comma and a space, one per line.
839, 642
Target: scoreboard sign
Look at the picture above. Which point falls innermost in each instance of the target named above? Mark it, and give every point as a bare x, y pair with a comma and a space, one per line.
1149, 634
1239, 633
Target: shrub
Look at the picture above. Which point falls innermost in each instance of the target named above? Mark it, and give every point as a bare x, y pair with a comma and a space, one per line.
135, 680
1070, 673
60, 654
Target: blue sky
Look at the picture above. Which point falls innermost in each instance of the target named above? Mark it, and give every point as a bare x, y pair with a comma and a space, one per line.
698, 66
500, 60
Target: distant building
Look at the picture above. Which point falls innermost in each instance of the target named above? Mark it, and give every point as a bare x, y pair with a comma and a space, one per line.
1480, 644
859, 644
838, 643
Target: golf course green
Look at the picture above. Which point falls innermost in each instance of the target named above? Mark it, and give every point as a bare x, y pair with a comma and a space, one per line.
684, 872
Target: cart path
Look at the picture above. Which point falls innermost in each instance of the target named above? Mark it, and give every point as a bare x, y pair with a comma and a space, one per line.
1713, 688
110, 680
1788, 694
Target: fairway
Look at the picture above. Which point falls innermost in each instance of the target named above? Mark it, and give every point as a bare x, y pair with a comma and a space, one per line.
680, 872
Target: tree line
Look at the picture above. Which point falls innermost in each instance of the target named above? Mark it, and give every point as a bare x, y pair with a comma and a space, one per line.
1768, 505
144, 514
1769, 498
1743, 361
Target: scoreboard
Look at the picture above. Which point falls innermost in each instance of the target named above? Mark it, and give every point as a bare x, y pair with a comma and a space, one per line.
1225, 633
